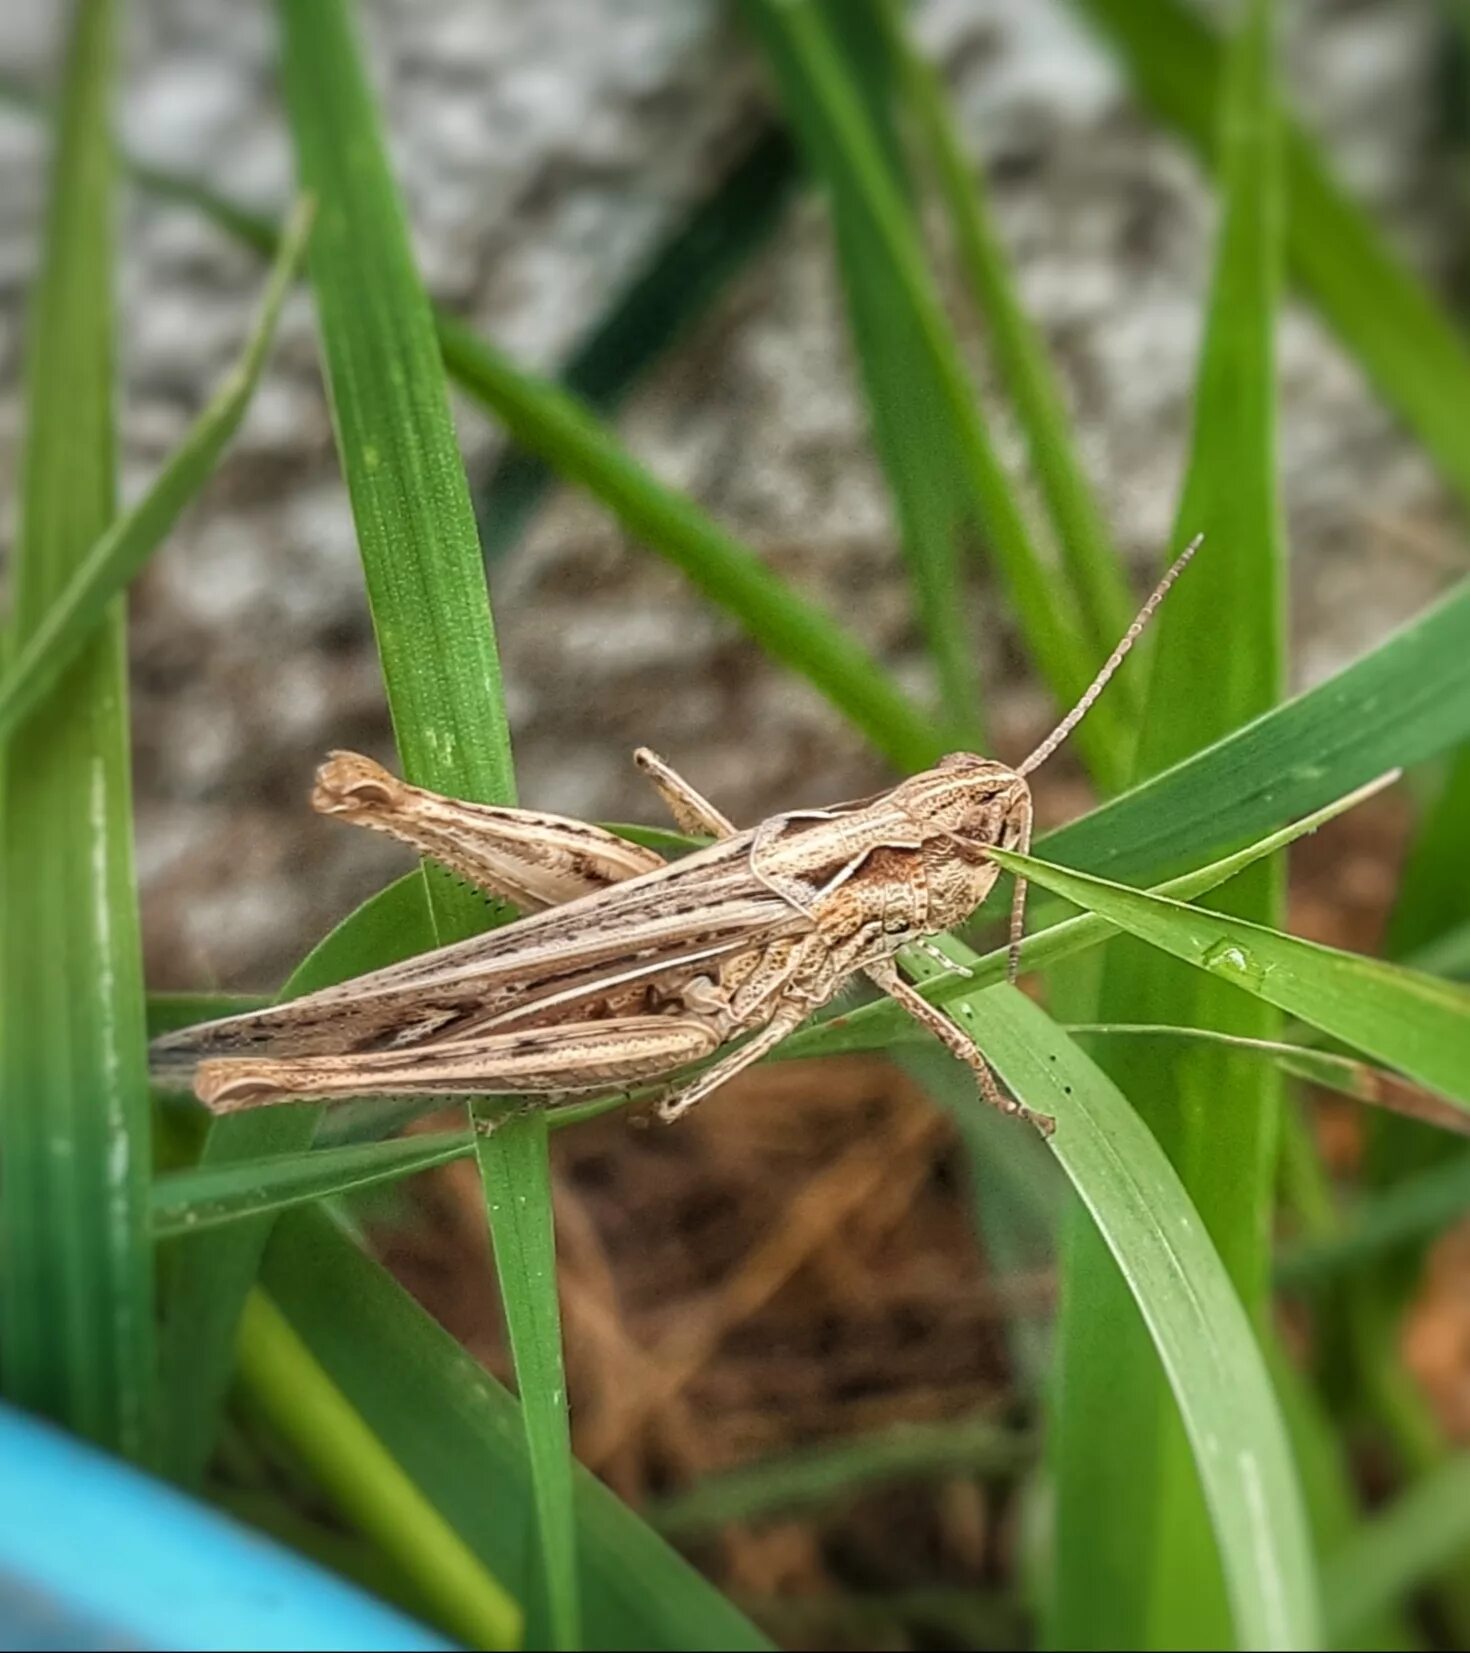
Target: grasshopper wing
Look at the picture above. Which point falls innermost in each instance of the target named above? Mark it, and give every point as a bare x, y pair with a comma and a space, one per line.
650, 932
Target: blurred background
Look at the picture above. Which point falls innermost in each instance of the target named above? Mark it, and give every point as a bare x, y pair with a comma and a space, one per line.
798, 1264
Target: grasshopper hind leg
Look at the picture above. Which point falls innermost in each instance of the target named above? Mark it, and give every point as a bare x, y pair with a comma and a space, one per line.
611, 1054
530, 859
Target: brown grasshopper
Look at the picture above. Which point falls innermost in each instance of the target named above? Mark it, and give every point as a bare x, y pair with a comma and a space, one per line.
628, 968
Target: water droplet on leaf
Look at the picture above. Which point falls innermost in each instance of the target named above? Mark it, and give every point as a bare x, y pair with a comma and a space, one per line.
1235, 963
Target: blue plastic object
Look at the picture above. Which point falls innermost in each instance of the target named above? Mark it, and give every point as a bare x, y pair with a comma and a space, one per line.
94, 1554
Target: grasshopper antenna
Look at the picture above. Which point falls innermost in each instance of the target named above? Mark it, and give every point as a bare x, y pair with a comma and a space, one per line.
1113, 661
1069, 723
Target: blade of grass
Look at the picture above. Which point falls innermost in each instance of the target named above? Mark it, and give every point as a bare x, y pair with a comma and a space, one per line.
1382, 1223
1360, 1081
1432, 903
683, 276
76, 1264
1327, 1484
1399, 1550
1177, 1279
1447, 955
457, 1433
905, 397
350, 1463
1091, 563
797, 1480
1050, 627
1433, 895
515, 1170
1117, 1433
167, 1012
204, 1197
1417, 1023
112, 563
1409, 347
431, 612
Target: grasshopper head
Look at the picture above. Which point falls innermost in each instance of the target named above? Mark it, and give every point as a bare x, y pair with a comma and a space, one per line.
974, 802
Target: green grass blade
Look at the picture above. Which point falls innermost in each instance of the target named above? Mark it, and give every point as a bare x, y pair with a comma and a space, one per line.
515, 1170
1359, 1081
395, 436
1327, 1484
120, 553
1175, 1276
431, 613
1433, 894
1050, 627
1417, 1023
1447, 955
825, 1474
1399, 1551
1118, 1436
1383, 1223
1091, 563
168, 1012
911, 429
458, 1435
1431, 909
1409, 347
315, 1419
76, 1263
207, 1196
680, 281
796, 632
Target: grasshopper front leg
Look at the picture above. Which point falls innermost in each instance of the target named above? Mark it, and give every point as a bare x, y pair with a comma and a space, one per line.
530, 859
886, 975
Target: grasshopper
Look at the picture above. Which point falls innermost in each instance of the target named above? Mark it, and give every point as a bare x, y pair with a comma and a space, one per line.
627, 969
